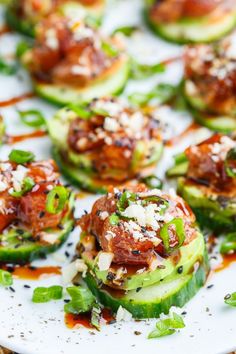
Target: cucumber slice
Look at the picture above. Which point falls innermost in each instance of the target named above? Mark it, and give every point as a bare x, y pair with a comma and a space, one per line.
212, 210
189, 255
194, 31
179, 169
112, 84
26, 249
219, 123
151, 301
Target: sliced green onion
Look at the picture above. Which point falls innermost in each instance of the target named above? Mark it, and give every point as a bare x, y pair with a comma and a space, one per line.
178, 224
5, 278
82, 300
142, 71
126, 30
229, 244
114, 219
230, 163
152, 182
162, 93
22, 48
179, 158
7, 69
96, 316
230, 299
109, 49
125, 200
92, 21
56, 199
27, 185
167, 326
42, 294
32, 118
21, 156
99, 111
81, 110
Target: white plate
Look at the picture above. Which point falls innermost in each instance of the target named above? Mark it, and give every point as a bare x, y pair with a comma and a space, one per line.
32, 329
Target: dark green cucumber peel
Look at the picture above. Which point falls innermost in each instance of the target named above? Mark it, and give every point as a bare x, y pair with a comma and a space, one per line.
218, 215
26, 250
184, 38
147, 303
18, 24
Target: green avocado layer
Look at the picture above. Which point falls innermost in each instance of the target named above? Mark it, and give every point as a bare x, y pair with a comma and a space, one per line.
22, 248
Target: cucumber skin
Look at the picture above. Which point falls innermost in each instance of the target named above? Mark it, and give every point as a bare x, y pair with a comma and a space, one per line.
19, 25
153, 310
159, 31
30, 251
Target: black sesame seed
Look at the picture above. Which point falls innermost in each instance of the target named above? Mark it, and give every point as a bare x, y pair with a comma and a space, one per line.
67, 254
66, 301
12, 289
227, 297
135, 252
20, 231
210, 286
180, 269
60, 226
41, 214
27, 286
138, 289
112, 322
70, 244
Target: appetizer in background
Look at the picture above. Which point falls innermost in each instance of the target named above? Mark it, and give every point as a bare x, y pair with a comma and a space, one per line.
184, 21
24, 15
105, 143
143, 251
73, 62
208, 182
210, 83
35, 208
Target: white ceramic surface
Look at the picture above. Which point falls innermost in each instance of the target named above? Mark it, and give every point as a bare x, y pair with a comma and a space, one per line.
39, 329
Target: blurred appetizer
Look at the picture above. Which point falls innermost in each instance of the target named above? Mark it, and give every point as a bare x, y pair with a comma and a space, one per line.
24, 15
143, 251
210, 83
208, 181
195, 21
73, 62
105, 143
35, 208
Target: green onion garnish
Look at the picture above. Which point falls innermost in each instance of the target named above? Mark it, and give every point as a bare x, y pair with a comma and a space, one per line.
230, 299
167, 326
109, 49
96, 316
5, 278
229, 244
81, 110
230, 163
126, 199
56, 199
162, 93
178, 224
7, 69
142, 71
42, 294
152, 182
126, 30
114, 219
32, 118
27, 185
82, 300
21, 156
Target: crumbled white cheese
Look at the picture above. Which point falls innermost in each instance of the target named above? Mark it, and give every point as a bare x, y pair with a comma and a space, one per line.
3, 184
51, 39
48, 237
18, 176
111, 124
104, 260
123, 315
80, 70
103, 215
72, 269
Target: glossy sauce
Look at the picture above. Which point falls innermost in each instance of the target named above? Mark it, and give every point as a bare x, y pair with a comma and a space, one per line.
227, 260
33, 273
4, 29
12, 139
176, 139
15, 100
83, 319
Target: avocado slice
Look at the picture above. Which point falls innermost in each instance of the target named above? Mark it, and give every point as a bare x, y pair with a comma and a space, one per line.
188, 256
151, 301
189, 30
22, 248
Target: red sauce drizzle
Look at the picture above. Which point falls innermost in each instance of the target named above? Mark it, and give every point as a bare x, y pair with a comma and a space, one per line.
227, 260
12, 139
15, 100
34, 273
176, 139
4, 29
172, 60
83, 319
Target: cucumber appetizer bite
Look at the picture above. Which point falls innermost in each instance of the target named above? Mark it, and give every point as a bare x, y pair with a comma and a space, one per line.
73, 62
210, 84
143, 251
24, 15
105, 143
193, 21
36, 210
208, 183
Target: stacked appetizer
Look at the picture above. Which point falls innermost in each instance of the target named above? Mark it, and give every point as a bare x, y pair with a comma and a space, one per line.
208, 182
210, 83
143, 251
73, 62
35, 208
24, 15
191, 20
105, 143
